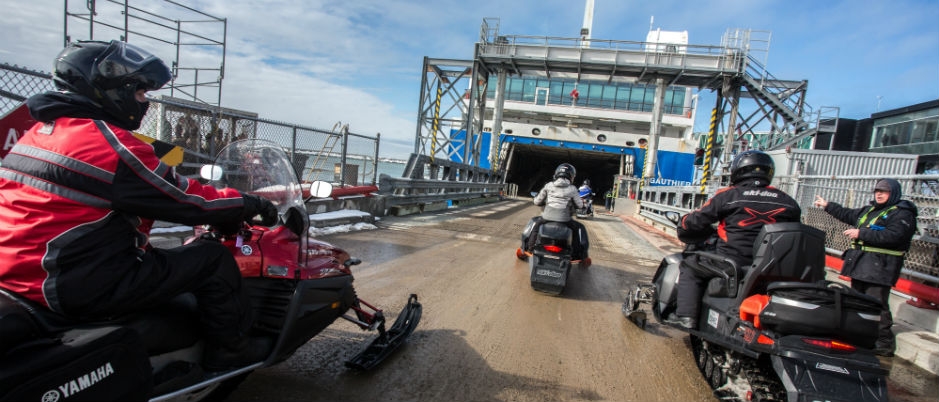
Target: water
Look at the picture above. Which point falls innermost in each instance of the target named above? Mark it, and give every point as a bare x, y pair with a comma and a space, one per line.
327, 169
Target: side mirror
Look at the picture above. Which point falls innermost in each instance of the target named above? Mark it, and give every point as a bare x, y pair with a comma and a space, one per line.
673, 216
211, 172
320, 189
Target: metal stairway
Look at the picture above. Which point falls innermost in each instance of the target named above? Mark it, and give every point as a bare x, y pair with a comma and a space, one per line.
781, 104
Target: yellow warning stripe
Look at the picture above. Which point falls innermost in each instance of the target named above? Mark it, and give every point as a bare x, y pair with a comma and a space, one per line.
168, 153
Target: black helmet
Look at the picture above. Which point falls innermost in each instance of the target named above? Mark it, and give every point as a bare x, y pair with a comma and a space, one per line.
565, 170
751, 164
110, 74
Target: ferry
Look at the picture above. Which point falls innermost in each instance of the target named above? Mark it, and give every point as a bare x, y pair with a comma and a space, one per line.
601, 126
622, 112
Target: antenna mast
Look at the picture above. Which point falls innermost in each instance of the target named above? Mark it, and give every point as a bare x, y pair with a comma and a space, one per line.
588, 25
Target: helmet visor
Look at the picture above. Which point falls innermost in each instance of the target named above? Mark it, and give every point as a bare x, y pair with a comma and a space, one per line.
123, 63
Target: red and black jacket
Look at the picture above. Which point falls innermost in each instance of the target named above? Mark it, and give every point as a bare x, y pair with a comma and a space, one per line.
740, 212
77, 199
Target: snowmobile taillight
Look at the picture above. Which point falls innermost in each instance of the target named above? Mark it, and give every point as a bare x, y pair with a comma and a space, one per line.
552, 248
830, 344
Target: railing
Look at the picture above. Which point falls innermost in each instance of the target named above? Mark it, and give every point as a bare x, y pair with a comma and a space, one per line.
428, 180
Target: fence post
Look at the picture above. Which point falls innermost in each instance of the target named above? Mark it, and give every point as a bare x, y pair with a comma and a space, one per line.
375, 169
293, 144
345, 152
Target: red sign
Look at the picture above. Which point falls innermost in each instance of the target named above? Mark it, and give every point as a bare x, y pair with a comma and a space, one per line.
12, 127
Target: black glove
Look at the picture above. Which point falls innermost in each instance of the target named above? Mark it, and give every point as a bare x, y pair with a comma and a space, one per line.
227, 228
255, 205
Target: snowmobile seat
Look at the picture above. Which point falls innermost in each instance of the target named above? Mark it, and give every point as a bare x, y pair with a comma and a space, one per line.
790, 251
554, 231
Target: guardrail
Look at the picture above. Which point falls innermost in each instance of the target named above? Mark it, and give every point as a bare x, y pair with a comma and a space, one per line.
403, 191
427, 179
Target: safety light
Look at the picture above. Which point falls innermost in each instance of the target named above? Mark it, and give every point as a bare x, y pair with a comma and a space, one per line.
552, 248
765, 340
830, 344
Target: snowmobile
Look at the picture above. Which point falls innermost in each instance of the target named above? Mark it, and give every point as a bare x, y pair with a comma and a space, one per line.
586, 195
549, 261
298, 286
776, 330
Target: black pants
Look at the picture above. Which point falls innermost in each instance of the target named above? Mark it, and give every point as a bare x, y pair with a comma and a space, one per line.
691, 283
885, 337
204, 268
579, 248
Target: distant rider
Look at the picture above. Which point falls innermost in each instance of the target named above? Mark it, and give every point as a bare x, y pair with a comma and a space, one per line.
740, 211
557, 197
880, 238
79, 194
586, 194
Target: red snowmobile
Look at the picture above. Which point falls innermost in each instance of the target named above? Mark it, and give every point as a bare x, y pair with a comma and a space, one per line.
298, 286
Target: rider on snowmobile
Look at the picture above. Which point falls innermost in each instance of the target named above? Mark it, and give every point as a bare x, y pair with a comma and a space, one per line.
79, 194
557, 197
740, 211
586, 194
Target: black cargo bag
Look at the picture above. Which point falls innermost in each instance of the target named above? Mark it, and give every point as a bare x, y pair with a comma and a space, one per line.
825, 309
95, 364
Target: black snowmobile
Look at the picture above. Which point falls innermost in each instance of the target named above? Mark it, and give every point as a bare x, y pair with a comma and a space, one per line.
776, 330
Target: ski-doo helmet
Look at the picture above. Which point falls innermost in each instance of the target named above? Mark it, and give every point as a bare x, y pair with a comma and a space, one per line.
752, 164
110, 74
565, 170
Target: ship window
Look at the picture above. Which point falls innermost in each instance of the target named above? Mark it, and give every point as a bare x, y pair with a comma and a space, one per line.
601, 138
536, 131
622, 98
635, 98
528, 91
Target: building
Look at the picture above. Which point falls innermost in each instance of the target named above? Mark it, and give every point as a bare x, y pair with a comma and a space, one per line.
907, 130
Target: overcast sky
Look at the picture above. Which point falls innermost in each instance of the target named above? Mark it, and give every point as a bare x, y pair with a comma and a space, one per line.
359, 62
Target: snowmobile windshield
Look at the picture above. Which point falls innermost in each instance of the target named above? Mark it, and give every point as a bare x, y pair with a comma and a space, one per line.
262, 168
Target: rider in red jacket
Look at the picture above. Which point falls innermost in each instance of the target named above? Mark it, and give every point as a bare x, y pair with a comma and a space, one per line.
78, 194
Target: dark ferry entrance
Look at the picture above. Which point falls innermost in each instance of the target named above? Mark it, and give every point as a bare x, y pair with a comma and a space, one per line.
530, 166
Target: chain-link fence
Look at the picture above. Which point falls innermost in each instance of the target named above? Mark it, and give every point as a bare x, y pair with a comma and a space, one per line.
335, 155
17, 84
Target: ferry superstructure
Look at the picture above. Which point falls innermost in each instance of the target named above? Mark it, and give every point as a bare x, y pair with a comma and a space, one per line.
612, 108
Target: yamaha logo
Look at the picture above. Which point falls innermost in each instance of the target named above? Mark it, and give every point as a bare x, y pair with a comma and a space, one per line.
51, 396
78, 384
246, 250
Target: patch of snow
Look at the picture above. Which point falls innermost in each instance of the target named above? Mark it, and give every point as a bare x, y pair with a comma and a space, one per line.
343, 213
341, 229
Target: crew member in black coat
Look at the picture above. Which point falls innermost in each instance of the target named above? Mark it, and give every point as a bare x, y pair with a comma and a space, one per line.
880, 238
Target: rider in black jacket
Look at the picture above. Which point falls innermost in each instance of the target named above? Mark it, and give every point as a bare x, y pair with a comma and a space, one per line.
880, 236
740, 211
